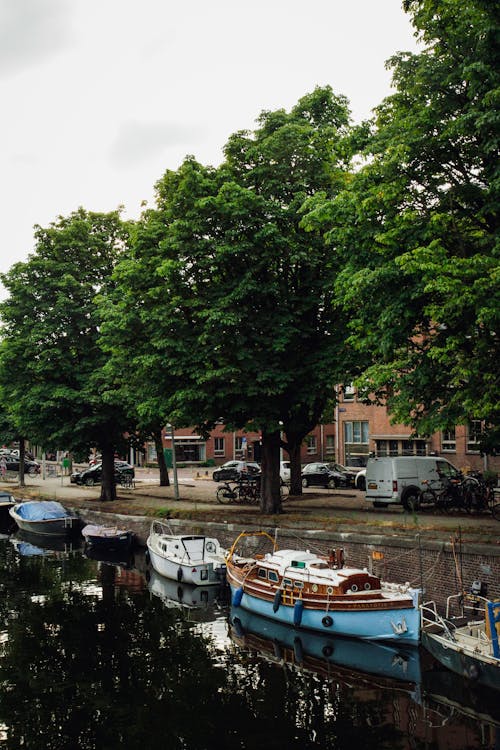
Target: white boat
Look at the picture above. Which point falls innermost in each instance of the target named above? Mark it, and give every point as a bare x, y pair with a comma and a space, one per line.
46, 517
469, 643
111, 538
198, 560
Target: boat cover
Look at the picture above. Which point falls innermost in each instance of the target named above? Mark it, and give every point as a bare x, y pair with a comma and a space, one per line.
41, 511
102, 531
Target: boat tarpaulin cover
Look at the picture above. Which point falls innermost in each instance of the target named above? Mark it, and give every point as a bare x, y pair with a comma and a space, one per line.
41, 511
102, 531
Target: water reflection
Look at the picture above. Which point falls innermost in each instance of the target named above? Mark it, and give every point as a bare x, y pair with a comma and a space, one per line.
92, 655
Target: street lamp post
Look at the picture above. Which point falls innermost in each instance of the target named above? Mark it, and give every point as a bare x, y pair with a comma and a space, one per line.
174, 464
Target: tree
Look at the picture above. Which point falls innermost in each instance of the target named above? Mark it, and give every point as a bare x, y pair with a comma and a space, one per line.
417, 227
243, 324
51, 366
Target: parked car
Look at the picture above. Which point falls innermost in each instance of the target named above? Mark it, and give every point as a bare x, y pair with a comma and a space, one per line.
93, 474
235, 469
27, 455
323, 475
360, 481
30, 467
349, 474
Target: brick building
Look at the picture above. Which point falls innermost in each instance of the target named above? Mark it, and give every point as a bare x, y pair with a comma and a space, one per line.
358, 431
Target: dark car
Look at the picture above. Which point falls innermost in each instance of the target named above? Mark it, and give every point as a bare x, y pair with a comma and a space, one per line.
348, 473
236, 470
93, 474
30, 467
323, 475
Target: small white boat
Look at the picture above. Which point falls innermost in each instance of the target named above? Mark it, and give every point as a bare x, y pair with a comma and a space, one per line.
198, 560
468, 644
109, 538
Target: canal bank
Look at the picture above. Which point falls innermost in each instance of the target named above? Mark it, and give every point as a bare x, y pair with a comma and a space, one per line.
440, 554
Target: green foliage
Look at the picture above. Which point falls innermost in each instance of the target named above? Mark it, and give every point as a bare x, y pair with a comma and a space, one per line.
416, 229
51, 365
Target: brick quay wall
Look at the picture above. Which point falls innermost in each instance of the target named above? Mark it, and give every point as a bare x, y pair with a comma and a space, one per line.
437, 567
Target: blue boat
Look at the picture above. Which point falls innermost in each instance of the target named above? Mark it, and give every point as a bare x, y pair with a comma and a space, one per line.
313, 592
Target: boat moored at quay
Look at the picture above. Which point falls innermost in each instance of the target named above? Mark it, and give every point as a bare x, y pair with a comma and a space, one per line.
193, 559
44, 517
305, 590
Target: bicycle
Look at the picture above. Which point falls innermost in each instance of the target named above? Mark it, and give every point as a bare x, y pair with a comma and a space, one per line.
126, 481
243, 491
481, 496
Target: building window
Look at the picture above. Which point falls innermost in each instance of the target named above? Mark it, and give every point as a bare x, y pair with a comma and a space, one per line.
348, 391
356, 432
448, 440
420, 448
311, 443
474, 430
355, 440
330, 445
407, 448
393, 447
381, 448
219, 449
238, 446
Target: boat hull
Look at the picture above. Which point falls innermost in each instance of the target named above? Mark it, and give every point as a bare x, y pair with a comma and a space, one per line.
400, 625
120, 542
50, 527
478, 668
321, 651
202, 574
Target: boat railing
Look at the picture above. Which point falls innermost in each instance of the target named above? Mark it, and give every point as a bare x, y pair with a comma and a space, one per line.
161, 527
431, 621
465, 603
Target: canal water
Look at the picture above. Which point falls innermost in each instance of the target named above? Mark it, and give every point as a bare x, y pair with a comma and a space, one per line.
105, 654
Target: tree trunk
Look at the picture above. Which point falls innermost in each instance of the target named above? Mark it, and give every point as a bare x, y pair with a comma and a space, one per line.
162, 464
270, 497
22, 453
295, 469
108, 484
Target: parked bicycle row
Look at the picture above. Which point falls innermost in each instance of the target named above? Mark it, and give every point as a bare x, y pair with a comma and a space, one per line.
244, 491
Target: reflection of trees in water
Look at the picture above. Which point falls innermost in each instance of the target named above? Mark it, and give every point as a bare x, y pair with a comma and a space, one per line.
98, 668
297, 709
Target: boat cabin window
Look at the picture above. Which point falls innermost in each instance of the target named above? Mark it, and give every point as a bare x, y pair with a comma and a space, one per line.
298, 584
298, 564
262, 573
273, 576
287, 582
203, 574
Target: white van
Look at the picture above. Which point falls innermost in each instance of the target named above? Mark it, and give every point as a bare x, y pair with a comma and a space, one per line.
399, 479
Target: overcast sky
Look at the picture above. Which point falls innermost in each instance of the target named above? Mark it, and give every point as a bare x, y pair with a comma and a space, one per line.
100, 97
